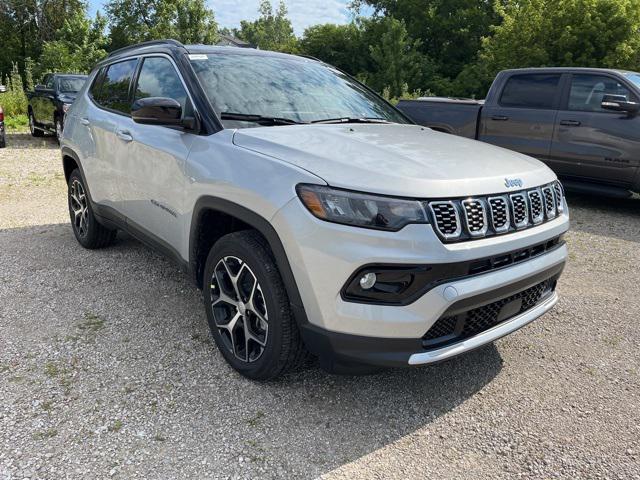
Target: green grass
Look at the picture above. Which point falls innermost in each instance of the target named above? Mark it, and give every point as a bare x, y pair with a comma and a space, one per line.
16, 123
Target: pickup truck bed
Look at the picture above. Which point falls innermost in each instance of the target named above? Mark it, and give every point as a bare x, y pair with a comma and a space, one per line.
582, 122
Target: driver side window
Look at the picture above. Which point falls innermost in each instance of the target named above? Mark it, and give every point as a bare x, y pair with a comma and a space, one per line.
587, 92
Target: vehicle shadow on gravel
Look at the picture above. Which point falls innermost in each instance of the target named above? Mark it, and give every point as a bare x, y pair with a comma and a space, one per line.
26, 141
609, 217
129, 331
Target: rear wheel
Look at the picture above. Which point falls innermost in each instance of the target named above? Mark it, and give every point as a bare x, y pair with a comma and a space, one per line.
248, 308
87, 230
35, 132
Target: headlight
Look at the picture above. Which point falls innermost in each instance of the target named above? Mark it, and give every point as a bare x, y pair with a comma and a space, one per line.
361, 209
66, 107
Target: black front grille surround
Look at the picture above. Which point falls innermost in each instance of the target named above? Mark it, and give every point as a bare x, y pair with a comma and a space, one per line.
456, 220
456, 326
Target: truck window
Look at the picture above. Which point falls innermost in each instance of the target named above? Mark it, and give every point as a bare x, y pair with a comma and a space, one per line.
587, 92
530, 91
113, 93
158, 78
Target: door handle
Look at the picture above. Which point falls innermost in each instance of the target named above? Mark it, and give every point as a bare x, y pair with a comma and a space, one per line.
85, 122
499, 118
570, 123
124, 135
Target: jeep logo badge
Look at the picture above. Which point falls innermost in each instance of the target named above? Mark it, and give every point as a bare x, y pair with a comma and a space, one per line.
513, 182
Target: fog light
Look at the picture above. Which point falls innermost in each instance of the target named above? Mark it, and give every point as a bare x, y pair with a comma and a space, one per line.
368, 280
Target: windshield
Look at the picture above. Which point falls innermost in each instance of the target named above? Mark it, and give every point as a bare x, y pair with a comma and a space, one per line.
70, 84
291, 88
634, 77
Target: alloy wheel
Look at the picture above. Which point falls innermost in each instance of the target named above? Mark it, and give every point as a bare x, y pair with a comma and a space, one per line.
58, 129
239, 309
32, 127
80, 207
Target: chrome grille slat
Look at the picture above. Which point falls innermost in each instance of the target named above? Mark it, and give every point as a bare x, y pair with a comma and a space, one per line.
470, 218
447, 219
520, 210
499, 212
550, 208
535, 206
475, 216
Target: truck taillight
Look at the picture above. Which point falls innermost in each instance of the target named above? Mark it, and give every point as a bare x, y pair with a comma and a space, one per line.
1, 116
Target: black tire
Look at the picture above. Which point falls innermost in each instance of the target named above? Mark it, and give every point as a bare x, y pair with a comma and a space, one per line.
35, 132
88, 231
57, 125
3, 141
283, 350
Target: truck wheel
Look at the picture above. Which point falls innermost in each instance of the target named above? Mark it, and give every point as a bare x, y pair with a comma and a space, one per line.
35, 132
88, 231
248, 308
58, 124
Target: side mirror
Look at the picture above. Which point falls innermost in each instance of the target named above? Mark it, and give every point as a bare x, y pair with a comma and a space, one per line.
619, 103
157, 111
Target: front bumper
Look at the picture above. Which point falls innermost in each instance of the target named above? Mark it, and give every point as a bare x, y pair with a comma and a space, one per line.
324, 255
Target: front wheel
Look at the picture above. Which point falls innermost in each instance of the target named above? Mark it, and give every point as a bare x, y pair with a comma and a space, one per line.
58, 123
87, 230
35, 132
248, 308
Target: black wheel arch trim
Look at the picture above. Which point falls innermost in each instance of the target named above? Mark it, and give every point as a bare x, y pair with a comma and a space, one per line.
265, 228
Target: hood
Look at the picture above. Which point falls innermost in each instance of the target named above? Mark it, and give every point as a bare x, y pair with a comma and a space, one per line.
405, 160
68, 97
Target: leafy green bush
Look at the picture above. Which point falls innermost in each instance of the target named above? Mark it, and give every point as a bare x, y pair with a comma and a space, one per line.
17, 122
14, 101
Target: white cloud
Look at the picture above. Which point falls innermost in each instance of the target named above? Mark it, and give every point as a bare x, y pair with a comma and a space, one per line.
302, 13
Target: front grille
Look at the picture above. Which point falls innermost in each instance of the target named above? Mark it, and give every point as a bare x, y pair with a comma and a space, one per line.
455, 328
447, 218
465, 219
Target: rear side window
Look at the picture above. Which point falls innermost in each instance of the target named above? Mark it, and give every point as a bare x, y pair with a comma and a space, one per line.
587, 92
158, 78
530, 91
112, 88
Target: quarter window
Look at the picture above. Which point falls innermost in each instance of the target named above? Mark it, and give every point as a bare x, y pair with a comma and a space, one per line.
158, 78
530, 91
587, 92
112, 91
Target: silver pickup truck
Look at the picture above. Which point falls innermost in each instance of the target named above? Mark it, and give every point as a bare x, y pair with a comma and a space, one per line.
582, 122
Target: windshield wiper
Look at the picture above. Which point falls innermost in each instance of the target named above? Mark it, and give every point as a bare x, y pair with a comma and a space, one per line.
352, 120
248, 117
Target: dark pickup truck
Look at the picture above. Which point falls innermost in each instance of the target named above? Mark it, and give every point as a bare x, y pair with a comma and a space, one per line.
50, 101
582, 122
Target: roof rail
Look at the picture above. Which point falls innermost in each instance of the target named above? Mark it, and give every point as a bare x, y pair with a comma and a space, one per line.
175, 43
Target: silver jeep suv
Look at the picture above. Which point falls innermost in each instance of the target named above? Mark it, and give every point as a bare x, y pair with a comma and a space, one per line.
317, 219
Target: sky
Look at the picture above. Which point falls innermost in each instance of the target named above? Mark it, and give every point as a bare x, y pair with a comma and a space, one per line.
302, 13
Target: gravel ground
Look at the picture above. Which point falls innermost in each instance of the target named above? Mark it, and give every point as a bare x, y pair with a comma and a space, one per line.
107, 369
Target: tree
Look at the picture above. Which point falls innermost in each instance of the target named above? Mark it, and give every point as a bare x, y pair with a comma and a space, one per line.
450, 34
134, 21
586, 33
396, 58
339, 45
80, 46
271, 31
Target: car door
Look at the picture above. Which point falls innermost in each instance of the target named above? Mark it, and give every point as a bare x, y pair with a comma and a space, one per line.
108, 112
46, 104
154, 187
524, 116
592, 143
